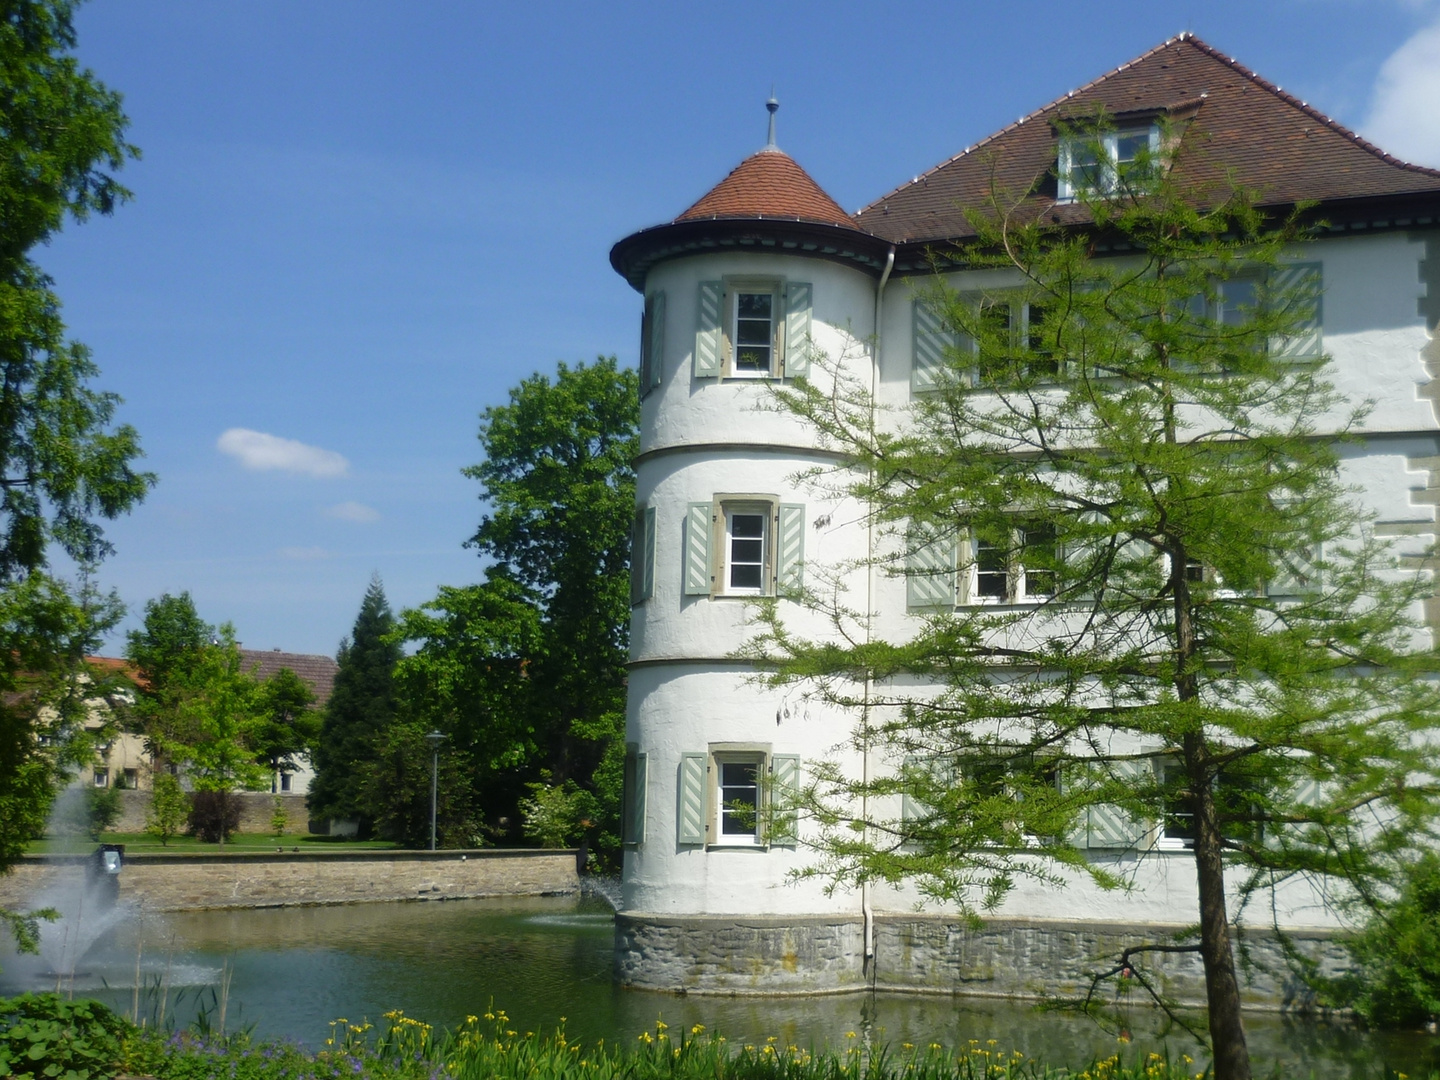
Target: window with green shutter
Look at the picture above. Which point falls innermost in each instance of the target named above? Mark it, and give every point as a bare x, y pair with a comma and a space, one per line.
652, 343
642, 555
632, 824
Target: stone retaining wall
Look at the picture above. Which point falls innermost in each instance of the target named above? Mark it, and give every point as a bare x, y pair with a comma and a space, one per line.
180, 882
1008, 958
256, 810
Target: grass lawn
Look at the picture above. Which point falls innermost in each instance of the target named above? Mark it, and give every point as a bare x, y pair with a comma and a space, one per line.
144, 842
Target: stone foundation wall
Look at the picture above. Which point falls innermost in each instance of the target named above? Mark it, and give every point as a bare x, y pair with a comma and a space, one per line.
181, 882
256, 810
933, 954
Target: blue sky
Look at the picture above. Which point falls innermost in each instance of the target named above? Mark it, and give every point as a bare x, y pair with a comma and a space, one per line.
357, 224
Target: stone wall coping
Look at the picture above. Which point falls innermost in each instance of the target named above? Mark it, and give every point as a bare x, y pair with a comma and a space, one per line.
996, 923
161, 858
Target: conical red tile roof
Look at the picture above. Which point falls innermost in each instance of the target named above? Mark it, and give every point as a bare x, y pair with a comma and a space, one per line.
1268, 140
769, 184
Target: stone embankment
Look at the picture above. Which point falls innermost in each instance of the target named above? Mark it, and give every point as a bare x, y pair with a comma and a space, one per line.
186, 881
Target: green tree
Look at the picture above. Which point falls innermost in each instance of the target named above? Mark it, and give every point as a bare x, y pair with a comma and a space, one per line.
289, 726
1208, 635
558, 481
168, 808
167, 649
469, 678
221, 712
396, 790
1395, 981
361, 706
64, 466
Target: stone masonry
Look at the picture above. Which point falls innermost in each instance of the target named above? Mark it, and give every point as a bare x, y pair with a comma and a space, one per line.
180, 882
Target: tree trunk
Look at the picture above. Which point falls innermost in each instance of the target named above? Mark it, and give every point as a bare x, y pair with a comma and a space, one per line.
1222, 989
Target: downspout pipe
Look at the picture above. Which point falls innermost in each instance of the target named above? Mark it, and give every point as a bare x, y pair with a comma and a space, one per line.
867, 912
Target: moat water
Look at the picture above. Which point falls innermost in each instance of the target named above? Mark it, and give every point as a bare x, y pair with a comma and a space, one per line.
290, 971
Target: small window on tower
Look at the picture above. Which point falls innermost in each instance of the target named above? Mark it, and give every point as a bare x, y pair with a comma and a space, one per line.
754, 334
746, 549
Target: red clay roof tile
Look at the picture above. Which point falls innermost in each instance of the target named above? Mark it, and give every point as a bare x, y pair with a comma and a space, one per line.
769, 184
1268, 139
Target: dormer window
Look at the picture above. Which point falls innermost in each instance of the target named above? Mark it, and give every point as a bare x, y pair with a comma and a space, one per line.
1100, 162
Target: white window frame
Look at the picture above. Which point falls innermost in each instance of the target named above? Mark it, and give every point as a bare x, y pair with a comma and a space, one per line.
720, 755
1164, 767
100, 777
1067, 190
1016, 576
726, 507
734, 287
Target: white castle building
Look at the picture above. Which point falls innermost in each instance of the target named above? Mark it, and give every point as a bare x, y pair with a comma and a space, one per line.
734, 288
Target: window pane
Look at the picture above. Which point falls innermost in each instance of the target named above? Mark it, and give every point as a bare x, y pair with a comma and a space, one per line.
990, 570
755, 305
1239, 301
747, 552
739, 798
1130, 144
752, 358
1039, 554
1178, 817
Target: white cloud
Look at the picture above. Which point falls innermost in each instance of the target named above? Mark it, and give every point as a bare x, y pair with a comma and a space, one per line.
259, 451
352, 511
1404, 118
304, 554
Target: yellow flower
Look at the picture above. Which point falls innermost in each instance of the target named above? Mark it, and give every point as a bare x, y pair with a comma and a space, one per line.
697, 1029
660, 1025
849, 1034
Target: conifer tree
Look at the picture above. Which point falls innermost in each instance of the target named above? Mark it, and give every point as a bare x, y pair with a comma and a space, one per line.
1146, 599
361, 706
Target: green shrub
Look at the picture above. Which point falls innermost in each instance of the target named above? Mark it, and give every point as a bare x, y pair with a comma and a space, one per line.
1396, 982
169, 807
558, 816
102, 810
214, 816
43, 1035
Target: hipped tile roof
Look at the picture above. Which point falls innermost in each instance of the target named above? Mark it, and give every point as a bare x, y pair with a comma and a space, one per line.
1237, 121
769, 184
317, 671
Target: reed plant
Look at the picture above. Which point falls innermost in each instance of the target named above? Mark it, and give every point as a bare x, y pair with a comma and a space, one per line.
487, 1047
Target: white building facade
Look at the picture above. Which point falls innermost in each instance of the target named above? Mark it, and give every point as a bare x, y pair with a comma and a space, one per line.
741, 290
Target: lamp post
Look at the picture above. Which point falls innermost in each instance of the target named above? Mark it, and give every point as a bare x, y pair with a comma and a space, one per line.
435, 738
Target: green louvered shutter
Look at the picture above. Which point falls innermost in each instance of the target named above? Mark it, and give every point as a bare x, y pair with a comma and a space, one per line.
655, 351
647, 581
1297, 575
645, 348
1109, 825
928, 353
707, 330
690, 799
784, 787
640, 556
697, 549
930, 571
911, 808
797, 327
789, 548
1302, 284
633, 824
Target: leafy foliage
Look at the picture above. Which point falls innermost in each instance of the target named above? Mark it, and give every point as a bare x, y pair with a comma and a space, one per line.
397, 791
526, 671
289, 727
361, 706
44, 1036
102, 810
1396, 982
169, 807
557, 815
1152, 462
214, 815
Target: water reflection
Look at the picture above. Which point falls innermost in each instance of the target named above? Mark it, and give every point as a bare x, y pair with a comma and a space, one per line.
295, 969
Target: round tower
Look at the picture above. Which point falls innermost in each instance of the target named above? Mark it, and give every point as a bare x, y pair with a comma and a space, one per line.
763, 280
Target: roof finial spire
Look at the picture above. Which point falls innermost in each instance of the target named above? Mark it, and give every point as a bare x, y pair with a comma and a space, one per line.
774, 107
